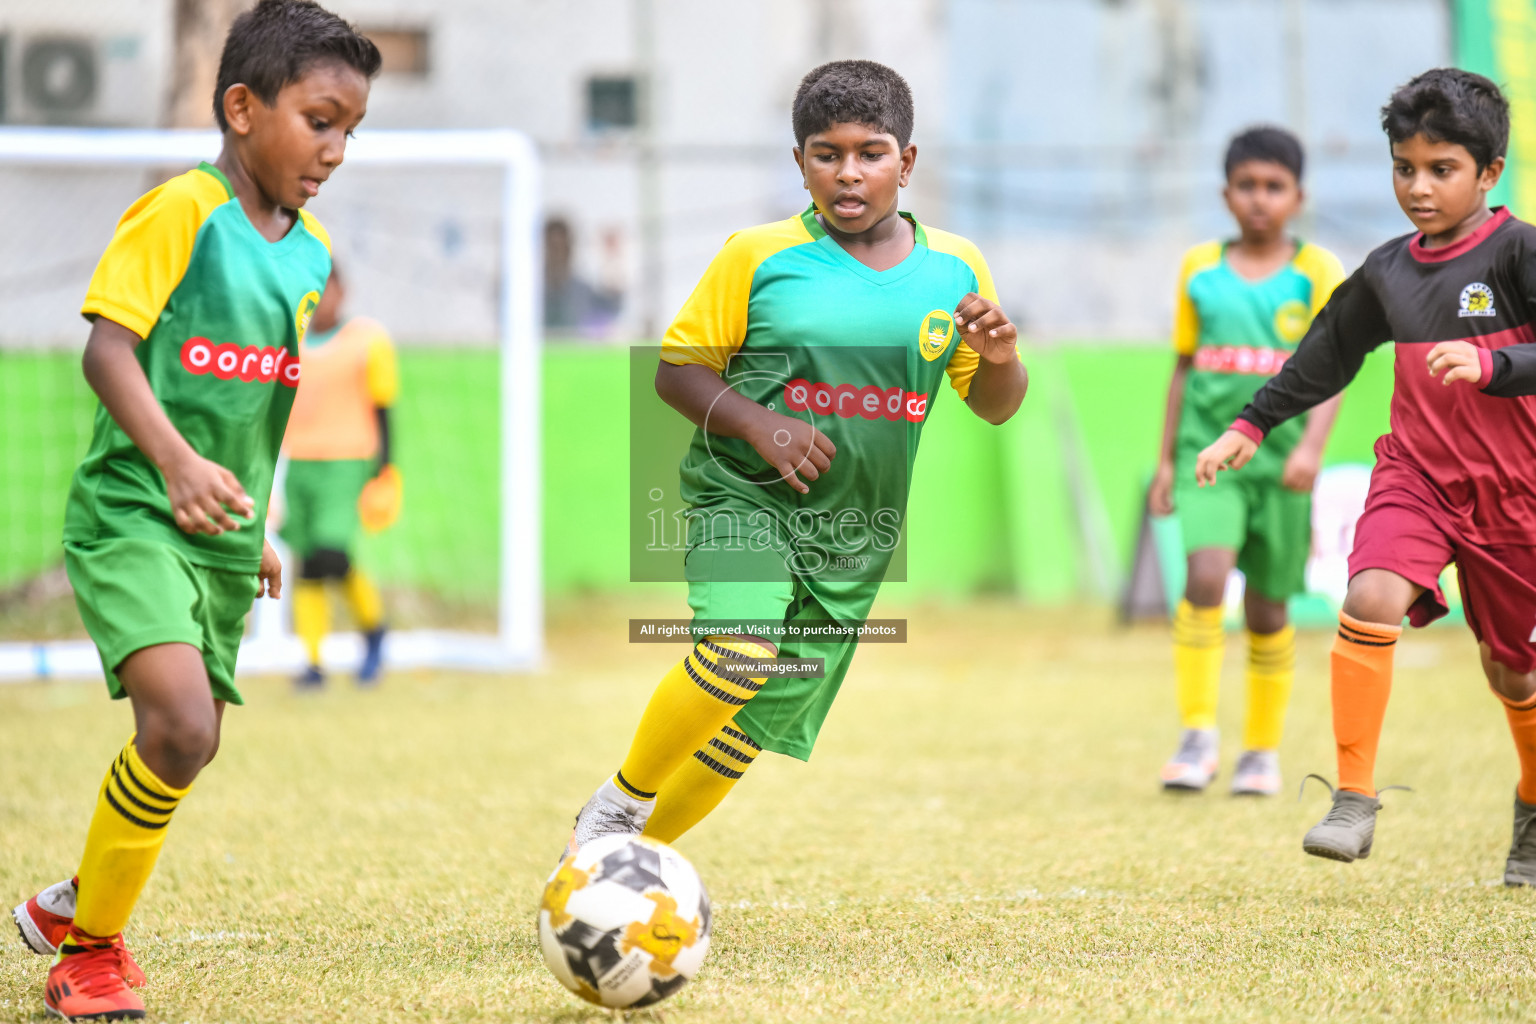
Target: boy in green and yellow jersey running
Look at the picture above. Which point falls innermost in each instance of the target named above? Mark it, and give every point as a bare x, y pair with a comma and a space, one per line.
197, 309
1242, 307
809, 357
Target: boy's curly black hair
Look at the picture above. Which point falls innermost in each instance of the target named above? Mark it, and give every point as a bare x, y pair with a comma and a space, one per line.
1451, 105
277, 41
857, 91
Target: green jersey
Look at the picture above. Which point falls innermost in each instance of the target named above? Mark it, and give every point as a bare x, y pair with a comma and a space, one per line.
792, 321
1239, 333
221, 312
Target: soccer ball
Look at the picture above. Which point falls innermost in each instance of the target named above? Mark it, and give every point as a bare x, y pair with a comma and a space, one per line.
625, 922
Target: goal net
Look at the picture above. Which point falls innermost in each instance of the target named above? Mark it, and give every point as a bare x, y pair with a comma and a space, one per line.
436, 234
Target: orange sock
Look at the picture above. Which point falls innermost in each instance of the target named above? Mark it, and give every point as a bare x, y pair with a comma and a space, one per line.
1362, 682
1522, 726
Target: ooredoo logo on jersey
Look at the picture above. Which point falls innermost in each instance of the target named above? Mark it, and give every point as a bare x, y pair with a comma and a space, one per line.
849, 401
250, 363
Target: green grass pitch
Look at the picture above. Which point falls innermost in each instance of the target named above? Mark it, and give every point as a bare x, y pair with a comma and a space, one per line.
979, 838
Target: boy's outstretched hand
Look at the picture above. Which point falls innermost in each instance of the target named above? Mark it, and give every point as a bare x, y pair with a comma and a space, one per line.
203, 493
1458, 360
1232, 450
269, 578
986, 328
788, 444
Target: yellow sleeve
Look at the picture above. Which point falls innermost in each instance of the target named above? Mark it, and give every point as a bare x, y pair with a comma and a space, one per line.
964, 360
150, 251
383, 369
713, 322
316, 228
1323, 269
1186, 318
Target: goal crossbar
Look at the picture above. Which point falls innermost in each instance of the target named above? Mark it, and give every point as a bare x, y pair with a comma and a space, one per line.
518, 642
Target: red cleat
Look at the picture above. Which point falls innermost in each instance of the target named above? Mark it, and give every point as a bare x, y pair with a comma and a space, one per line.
89, 985
45, 919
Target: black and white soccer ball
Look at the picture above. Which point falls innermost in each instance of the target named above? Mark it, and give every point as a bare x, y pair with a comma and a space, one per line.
624, 922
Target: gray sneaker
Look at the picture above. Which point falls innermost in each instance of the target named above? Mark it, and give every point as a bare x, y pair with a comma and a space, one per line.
1349, 827
1257, 773
1520, 868
1193, 767
611, 811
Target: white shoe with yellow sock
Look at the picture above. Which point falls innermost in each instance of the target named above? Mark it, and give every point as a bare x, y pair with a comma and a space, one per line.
1193, 766
610, 811
1257, 773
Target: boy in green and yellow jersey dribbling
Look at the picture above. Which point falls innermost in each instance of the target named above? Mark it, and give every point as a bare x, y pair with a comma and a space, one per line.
197, 309
809, 357
1242, 307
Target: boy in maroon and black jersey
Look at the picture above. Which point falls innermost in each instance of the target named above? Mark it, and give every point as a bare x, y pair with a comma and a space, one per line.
1455, 479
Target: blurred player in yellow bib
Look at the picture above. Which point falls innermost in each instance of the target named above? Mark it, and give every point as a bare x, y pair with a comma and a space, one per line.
339, 474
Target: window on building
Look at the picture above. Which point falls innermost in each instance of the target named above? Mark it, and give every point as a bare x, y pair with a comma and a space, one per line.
612, 103
404, 50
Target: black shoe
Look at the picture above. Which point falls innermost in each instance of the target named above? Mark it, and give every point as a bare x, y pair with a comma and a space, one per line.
312, 678
373, 657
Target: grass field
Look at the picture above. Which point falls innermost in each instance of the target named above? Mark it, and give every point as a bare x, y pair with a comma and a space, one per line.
979, 838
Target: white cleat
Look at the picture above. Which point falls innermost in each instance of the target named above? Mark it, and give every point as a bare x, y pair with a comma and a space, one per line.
611, 811
1194, 766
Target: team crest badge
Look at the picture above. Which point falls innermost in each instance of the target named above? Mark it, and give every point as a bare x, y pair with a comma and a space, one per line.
1292, 320
1477, 300
306, 311
934, 336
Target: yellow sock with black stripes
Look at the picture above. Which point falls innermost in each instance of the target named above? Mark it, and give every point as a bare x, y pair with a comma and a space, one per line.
701, 783
689, 706
1271, 674
132, 810
1198, 645
311, 616
363, 600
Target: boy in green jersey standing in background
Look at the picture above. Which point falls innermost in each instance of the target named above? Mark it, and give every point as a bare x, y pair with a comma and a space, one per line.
809, 357
1242, 306
197, 308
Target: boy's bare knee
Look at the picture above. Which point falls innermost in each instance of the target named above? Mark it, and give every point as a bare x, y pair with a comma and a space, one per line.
1379, 596
1206, 592
177, 744
1205, 586
1515, 687
1264, 614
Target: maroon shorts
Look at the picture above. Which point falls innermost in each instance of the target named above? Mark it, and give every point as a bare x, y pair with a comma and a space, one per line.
1405, 530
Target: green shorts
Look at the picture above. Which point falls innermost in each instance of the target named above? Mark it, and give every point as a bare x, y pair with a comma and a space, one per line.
1269, 526
786, 714
136, 593
321, 503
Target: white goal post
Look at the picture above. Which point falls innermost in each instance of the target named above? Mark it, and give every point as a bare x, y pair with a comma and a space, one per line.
269, 645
